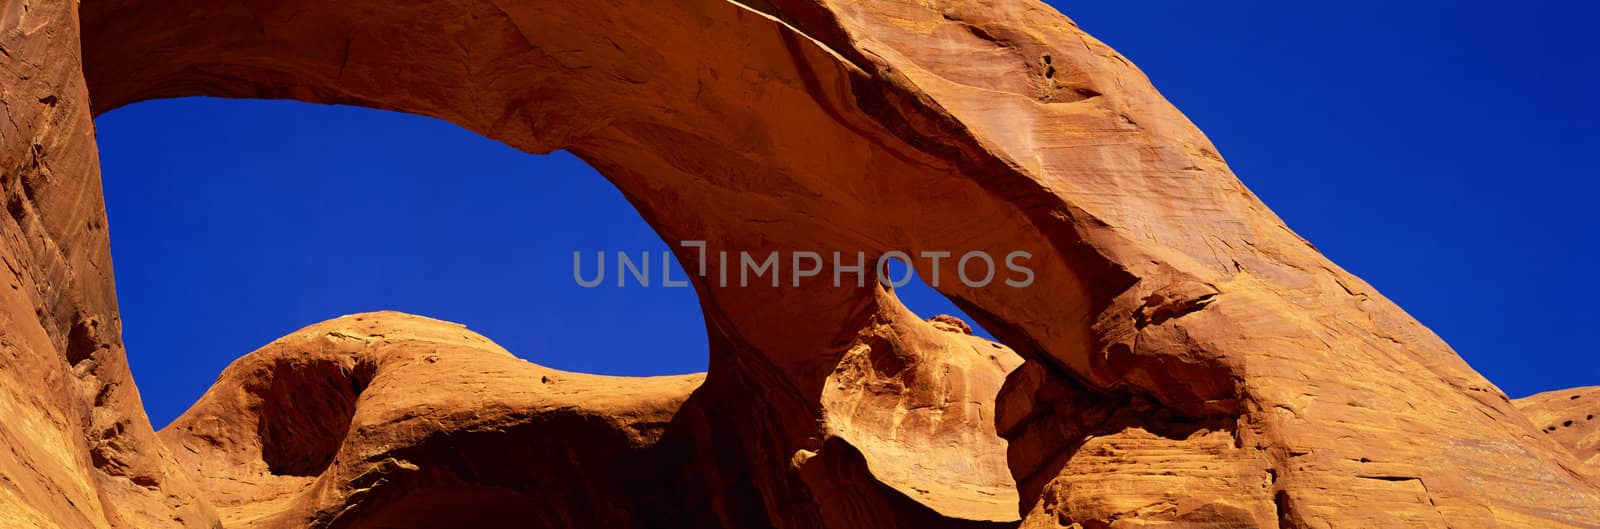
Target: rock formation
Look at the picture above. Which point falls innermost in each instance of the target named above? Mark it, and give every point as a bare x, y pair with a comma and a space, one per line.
1569, 416
388, 420
1183, 359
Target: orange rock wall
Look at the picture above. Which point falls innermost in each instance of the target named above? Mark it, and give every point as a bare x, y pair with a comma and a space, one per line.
1189, 360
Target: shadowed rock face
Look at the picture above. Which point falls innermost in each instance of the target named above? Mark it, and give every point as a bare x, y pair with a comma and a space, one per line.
390, 420
1187, 360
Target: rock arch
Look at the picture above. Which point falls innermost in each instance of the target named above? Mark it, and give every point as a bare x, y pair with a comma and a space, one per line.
1190, 359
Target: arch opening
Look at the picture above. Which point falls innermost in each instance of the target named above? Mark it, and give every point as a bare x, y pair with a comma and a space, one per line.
802, 151
237, 221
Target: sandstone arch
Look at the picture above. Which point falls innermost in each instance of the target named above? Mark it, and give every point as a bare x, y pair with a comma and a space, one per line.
1190, 359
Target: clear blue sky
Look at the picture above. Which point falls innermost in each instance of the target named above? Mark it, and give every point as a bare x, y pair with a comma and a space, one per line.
1446, 154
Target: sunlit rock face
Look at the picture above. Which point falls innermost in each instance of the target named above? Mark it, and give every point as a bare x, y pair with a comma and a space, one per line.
1182, 359
1572, 417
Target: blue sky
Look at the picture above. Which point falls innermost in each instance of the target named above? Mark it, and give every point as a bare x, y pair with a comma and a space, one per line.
1445, 154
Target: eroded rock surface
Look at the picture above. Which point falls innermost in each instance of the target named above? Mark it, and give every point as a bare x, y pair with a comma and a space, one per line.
1570, 417
391, 420
917, 400
1188, 360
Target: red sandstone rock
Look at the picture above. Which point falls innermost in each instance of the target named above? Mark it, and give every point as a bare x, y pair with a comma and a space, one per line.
390, 420
1189, 360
